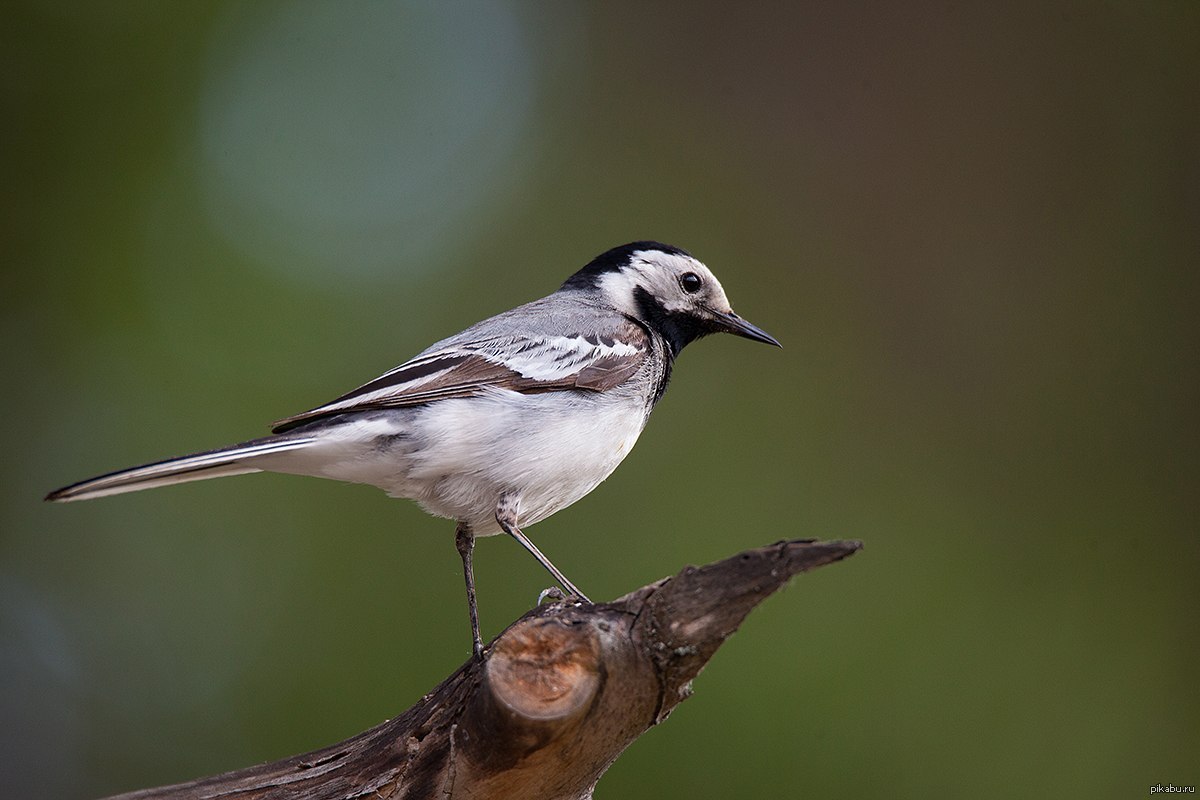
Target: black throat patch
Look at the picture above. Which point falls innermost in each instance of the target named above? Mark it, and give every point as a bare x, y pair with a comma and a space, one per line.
679, 329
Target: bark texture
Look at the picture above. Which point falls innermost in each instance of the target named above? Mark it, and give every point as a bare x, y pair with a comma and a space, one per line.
555, 699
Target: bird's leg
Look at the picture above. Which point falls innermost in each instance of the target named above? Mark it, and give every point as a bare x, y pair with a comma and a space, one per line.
506, 515
464, 540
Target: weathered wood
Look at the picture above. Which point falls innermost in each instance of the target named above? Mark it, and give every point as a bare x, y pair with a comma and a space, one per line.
557, 697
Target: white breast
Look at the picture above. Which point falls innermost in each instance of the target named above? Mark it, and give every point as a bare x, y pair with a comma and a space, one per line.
552, 449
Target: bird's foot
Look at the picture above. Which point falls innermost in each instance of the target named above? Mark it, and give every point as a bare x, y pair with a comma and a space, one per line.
553, 594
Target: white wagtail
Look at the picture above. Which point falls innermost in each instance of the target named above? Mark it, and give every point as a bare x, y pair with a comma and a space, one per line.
502, 425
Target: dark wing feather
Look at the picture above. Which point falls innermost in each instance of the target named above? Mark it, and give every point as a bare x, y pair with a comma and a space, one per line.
526, 365
607, 372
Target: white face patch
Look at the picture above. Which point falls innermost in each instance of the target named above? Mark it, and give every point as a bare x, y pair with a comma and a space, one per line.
659, 273
618, 287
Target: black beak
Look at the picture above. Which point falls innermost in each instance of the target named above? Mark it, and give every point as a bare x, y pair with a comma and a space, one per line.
730, 322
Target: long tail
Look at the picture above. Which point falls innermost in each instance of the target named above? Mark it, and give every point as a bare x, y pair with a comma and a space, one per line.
236, 460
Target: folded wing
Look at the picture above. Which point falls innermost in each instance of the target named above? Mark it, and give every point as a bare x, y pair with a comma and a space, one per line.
572, 361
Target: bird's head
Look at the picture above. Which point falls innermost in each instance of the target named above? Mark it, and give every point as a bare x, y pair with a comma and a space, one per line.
665, 288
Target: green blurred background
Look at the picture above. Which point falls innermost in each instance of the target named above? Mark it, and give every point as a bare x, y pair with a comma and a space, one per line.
976, 229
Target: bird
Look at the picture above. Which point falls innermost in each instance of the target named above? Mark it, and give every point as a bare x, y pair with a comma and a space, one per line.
505, 423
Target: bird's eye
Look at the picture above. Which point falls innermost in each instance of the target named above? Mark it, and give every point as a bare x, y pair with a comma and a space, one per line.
690, 282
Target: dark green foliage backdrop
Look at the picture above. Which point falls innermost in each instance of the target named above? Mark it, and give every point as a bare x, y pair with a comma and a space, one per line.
973, 227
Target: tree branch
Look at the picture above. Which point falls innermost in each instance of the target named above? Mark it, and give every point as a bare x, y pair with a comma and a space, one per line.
557, 697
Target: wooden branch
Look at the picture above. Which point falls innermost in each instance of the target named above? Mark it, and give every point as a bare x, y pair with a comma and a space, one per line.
557, 697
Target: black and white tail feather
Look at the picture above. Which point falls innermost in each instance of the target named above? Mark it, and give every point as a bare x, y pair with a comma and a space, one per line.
236, 460
505, 423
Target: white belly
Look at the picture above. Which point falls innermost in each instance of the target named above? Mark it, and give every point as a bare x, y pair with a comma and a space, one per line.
551, 449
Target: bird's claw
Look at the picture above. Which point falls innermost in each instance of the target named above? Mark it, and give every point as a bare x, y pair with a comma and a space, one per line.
553, 593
